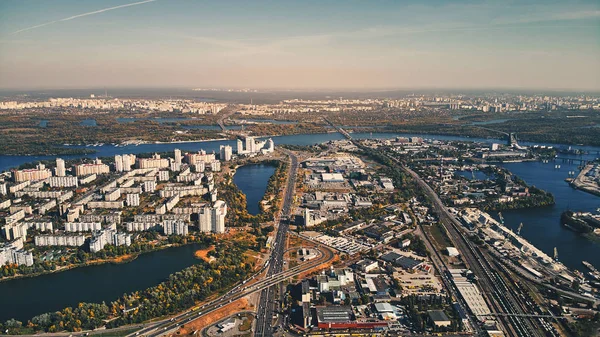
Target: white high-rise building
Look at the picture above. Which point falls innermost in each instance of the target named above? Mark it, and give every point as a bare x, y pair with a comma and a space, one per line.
118, 163
60, 168
270, 145
240, 146
219, 212
128, 161
250, 145
204, 219
178, 157
226, 152
215, 166
212, 219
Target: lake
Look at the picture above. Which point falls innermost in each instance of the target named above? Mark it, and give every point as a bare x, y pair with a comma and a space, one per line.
252, 180
27, 297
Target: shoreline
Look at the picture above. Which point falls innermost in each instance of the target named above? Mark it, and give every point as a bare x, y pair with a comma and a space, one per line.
578, 184
116, 260
424, 134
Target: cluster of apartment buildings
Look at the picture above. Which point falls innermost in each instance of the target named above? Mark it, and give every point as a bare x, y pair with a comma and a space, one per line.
171, 105
91, 214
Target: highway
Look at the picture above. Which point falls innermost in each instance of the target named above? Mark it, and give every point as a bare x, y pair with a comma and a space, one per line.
267, 303
267, 286
230, 110
165, 327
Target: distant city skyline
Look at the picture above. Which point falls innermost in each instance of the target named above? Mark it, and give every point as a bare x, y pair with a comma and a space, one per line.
300, 45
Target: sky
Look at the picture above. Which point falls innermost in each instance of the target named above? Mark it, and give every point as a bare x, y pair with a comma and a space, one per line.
321, 44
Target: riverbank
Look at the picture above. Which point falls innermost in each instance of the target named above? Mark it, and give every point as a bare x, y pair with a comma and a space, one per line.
582, 182
185, 141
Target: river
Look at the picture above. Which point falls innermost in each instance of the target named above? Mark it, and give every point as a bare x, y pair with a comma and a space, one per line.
541, 225
252, 180
27, 297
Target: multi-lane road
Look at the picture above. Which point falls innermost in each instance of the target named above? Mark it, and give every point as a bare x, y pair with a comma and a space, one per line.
258, 283
267, 303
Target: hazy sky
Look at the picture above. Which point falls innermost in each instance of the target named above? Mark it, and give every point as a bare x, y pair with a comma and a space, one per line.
300, 44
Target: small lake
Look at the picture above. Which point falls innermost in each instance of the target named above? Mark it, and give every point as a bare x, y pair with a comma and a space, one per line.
25, 298
43, 123
252, 180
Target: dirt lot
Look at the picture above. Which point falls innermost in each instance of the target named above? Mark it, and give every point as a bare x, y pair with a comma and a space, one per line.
203, 253
206, 320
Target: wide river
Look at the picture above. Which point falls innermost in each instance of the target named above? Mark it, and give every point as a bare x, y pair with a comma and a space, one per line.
29, 297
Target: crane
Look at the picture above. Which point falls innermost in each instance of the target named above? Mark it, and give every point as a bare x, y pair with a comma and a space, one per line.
519, 229
555, 253
501, 217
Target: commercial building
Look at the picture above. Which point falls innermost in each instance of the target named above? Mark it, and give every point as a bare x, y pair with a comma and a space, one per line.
470, 293
439, 318
342, 317
332, 178
452, 251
